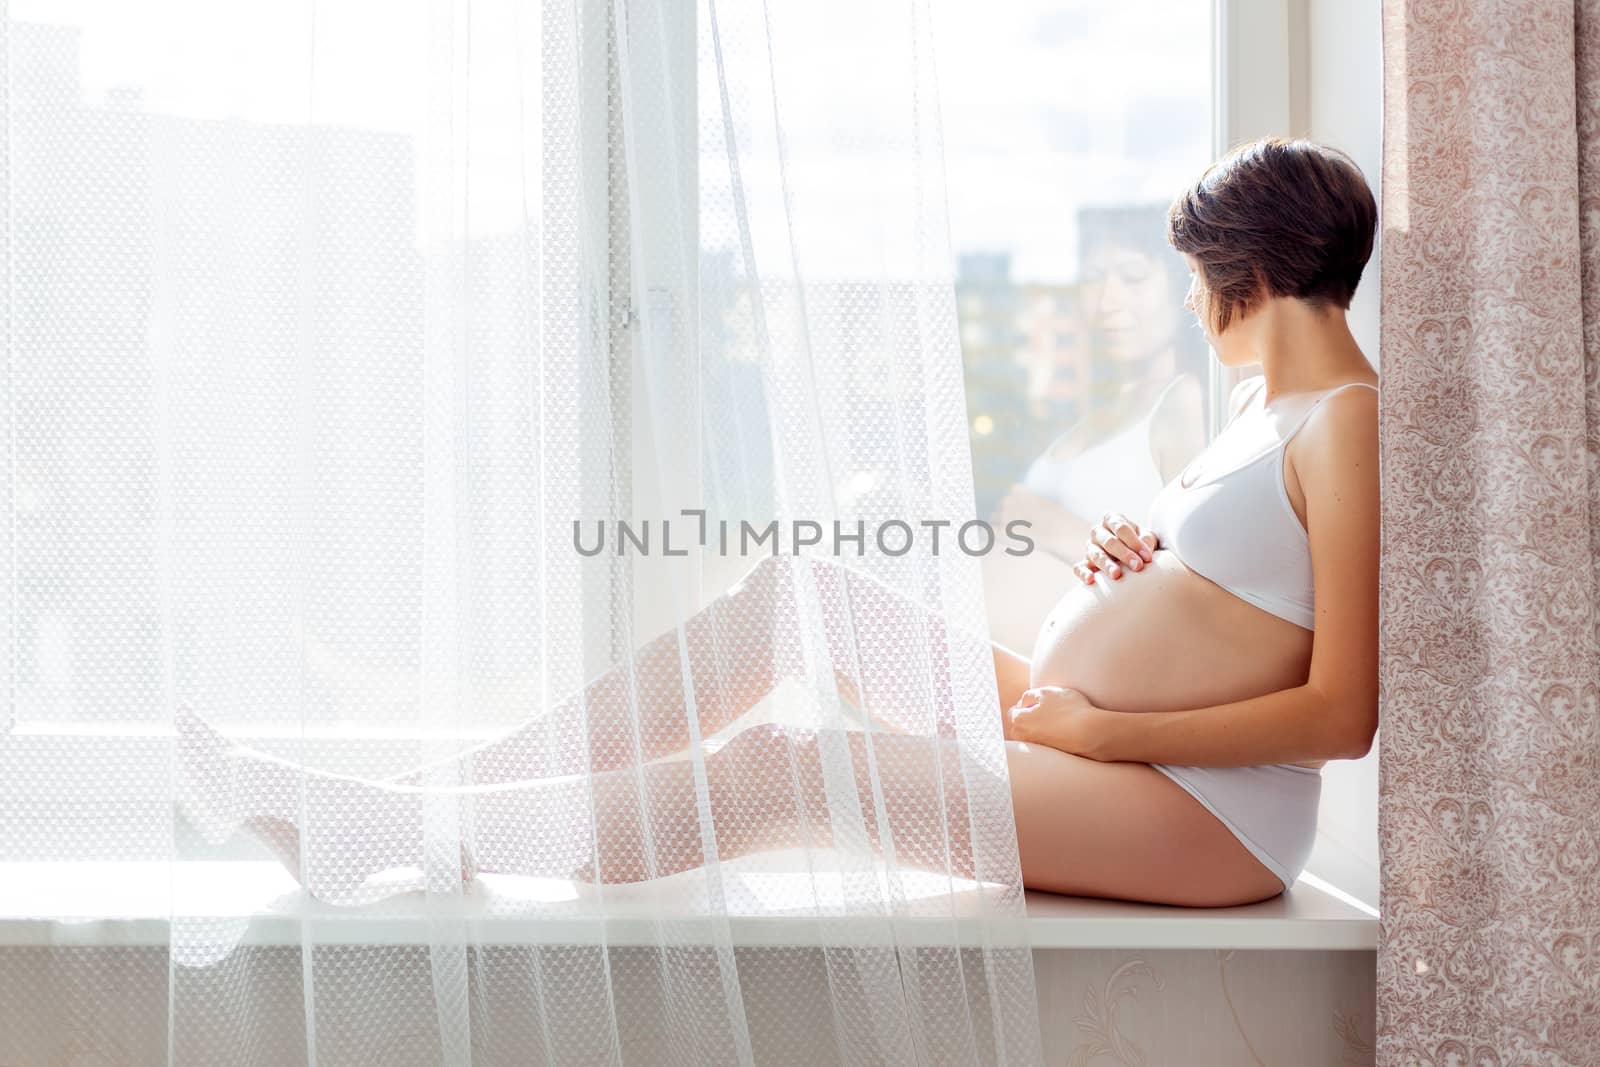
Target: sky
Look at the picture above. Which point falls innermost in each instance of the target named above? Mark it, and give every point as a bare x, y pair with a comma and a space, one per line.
1061, 104
1046, 105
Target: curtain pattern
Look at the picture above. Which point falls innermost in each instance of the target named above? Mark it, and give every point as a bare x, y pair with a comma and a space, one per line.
1490, 766
327, 322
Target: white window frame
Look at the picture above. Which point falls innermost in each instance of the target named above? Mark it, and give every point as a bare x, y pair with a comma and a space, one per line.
662, 326
1258, 90
1259, 64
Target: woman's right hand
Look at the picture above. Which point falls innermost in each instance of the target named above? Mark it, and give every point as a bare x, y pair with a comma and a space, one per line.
1114, 544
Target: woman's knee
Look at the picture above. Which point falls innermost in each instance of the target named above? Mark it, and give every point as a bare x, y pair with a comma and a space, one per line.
750, 760
759, 741
785, 761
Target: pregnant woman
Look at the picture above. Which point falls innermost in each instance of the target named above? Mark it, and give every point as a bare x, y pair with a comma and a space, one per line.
1164, 742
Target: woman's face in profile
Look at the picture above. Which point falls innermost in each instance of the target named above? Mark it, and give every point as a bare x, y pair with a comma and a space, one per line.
1136, 313
1231, 347
1191, 300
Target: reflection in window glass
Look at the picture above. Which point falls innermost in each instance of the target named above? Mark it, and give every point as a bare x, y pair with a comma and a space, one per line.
1068, 128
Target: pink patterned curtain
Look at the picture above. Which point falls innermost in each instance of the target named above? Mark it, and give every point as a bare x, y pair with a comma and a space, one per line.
1490, 763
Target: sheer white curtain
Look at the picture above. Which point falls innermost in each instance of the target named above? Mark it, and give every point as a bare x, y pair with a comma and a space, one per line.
335, 333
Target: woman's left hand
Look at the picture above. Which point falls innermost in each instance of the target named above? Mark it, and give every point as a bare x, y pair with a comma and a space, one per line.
1058, 717
1115, 544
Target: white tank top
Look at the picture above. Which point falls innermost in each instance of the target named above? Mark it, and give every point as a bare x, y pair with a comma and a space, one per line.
1227, 515
1116, 474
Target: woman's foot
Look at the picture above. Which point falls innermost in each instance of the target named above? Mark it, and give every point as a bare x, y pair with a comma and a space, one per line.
359, 828
282, 839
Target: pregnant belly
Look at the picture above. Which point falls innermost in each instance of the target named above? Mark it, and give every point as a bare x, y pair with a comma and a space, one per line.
1164, 639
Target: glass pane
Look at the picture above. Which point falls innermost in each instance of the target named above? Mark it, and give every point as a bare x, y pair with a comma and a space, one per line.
1068, 129
222, 218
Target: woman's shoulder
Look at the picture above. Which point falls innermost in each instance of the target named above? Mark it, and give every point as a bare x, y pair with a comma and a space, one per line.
1183, 396
1177, 425
1242, 392
1349, 406
1351, 398
1342, 423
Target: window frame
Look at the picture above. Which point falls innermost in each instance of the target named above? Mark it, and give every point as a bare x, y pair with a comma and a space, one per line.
1258, 76
1257, 45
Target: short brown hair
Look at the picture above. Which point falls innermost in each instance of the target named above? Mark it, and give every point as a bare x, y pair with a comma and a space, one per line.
1275, 218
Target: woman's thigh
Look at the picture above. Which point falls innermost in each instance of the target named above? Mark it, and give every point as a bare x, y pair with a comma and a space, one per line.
1126, 831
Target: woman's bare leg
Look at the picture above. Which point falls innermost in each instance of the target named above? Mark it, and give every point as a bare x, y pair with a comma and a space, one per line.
1119, 830
737, 652
768, 788
765, 788
1012, 674
1125, 831
739, 647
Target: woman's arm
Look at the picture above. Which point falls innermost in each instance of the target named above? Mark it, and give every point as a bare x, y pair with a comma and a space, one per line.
1296, 725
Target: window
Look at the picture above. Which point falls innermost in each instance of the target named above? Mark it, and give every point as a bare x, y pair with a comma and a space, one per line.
1067, 126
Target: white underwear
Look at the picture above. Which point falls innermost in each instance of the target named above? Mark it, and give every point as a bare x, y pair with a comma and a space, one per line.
1271, 809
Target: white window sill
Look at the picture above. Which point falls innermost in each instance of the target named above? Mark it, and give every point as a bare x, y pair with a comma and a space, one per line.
132, 903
